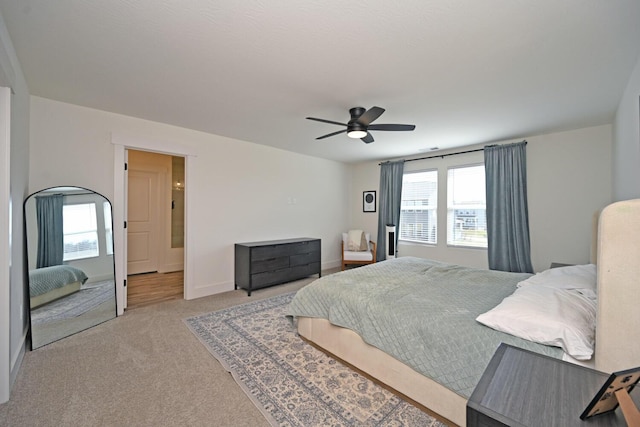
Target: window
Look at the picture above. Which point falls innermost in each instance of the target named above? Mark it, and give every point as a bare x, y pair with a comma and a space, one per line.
108, 229
80, 231
418, 209
466, 207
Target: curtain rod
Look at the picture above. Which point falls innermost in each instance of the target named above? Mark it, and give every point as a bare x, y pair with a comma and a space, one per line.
78, 194
63, 194
442, 156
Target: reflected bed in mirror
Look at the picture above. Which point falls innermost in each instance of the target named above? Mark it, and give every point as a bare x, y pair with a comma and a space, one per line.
70, 258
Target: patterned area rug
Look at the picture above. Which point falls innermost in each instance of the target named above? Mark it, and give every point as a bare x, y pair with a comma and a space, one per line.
87, 298
290, 381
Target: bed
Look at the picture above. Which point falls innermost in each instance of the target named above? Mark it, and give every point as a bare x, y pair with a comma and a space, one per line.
430, 357
50, 283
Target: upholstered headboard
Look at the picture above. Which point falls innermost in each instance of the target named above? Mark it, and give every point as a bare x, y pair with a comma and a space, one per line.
618, 315
593, 256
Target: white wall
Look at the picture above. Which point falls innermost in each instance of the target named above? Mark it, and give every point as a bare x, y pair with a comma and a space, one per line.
569, 179
13, 319
365, 177
239, 192
626, 146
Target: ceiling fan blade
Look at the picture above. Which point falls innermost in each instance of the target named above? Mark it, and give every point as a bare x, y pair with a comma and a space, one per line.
331, 134
367, 139
327, 121
392, 127
370, 115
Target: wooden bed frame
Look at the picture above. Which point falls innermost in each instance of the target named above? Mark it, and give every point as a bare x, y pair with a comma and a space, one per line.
618, 260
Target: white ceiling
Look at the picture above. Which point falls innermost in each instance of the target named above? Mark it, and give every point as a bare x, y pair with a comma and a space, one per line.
463, 71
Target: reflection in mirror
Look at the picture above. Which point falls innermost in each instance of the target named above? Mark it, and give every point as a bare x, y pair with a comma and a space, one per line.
70, 257
177, 202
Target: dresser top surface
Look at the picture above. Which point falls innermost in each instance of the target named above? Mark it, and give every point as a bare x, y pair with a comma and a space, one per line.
278, 242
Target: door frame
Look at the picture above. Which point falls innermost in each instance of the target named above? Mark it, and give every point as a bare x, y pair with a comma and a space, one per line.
169, 259
5, 244
121, 144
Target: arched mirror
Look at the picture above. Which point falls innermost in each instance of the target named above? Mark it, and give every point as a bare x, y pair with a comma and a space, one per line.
70, 257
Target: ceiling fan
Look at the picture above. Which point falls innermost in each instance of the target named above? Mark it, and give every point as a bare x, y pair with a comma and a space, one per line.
360, 124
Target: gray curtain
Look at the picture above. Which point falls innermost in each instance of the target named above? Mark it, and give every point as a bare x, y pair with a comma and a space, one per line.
389, 204
50, 232
507, 210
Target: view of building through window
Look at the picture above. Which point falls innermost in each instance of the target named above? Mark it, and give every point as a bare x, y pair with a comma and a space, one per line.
418, 209
465, 210
466, 206
80, 231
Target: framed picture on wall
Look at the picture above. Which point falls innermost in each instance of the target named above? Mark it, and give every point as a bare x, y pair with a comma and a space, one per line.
368, 201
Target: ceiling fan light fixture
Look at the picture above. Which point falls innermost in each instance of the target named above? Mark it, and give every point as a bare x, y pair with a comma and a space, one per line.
359, 125
357, 134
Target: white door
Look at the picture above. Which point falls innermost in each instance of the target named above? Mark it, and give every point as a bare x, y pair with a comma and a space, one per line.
142, 222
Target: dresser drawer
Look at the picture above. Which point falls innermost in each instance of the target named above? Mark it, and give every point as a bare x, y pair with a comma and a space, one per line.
306, 258
269, 251
270, 277
269, 264
305, 270
302, 247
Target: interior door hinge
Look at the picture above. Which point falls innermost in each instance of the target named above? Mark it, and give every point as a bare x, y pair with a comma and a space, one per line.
125, 224
125, 283
126, 166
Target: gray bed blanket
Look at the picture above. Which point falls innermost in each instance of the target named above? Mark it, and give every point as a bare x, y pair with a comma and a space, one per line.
421, 312
43, 280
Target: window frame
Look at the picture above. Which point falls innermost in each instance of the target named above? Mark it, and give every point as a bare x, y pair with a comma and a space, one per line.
107, 217
450, 240
434, 209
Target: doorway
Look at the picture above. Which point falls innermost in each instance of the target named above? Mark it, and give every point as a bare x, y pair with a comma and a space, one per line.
155, 228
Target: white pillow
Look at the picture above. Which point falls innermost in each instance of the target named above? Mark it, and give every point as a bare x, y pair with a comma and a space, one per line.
582, 278
559, 317
356, 241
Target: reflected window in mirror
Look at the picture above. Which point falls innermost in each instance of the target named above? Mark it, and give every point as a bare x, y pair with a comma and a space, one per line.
108, 227
80, 225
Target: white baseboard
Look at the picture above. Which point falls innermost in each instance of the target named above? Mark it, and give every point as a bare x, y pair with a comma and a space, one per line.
217, 288
101, 278
329, 265
207, 290
16, 359
170, 268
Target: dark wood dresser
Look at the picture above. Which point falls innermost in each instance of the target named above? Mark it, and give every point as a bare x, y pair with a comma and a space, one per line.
522, 388
268, 263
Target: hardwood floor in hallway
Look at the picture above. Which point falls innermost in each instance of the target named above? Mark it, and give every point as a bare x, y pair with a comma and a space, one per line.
151, 288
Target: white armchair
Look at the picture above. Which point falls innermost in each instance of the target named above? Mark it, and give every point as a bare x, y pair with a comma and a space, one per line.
358, 257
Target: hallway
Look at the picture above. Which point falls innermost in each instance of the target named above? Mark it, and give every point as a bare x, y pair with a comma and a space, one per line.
151, 288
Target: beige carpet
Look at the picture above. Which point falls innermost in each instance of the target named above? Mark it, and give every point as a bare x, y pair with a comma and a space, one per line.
141, 369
